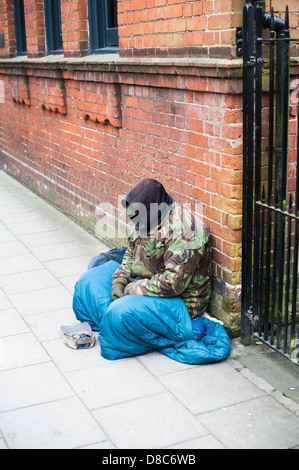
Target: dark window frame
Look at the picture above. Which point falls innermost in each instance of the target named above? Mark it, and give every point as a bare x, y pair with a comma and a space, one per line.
103, 34
20, 27
53, 27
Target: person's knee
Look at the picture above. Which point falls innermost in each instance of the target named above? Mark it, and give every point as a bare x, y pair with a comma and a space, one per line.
117, 311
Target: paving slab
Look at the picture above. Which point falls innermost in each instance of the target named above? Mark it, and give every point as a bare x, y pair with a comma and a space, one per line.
22, 350
4, 301
258, 424
153, 422
46, 325
66, 361
210, 387
44, 238
13, 208
73, 266
113, 382
26, 216
39, 226
158, 364
12, 248
63, 424
32, 385
282, 374
11, 323
69, 282
20, 263
57, 251
205, 442
6, 235
41, 300
27, 281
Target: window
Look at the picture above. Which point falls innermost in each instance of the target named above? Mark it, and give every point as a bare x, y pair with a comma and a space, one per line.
53, 26
103, 31
20, 27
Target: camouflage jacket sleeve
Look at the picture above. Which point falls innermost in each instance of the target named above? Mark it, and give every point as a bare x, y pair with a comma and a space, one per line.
180, 266
123, 274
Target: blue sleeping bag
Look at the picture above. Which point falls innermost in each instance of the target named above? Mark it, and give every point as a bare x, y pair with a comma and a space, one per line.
135, 325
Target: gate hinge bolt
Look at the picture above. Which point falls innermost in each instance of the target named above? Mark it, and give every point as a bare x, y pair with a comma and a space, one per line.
239, 41
249, 314
251, 61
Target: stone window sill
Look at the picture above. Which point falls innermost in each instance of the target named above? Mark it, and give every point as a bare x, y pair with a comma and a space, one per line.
231, 68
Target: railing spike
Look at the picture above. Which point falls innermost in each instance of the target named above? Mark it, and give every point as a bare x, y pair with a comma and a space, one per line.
272, 20
287, 17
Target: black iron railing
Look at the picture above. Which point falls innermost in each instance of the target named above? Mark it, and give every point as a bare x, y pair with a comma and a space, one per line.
270, 209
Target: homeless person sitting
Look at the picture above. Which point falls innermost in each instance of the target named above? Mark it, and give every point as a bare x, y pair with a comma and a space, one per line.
169, 251
154, 300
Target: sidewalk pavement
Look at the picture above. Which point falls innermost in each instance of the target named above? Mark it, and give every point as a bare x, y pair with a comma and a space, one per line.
54, 397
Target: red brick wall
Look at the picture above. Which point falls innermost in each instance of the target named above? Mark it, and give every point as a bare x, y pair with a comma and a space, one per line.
35, 28
80, 151
163, 28
7, 28
74, 25
176, 27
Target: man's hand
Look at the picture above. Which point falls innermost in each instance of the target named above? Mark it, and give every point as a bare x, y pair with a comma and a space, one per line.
117, 291
128, 288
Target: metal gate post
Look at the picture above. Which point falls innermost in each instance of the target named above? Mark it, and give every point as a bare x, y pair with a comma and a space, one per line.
248, 144
270, 235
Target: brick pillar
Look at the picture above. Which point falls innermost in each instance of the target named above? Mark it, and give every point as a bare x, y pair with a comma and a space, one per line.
74, 25
7, 28
35, 28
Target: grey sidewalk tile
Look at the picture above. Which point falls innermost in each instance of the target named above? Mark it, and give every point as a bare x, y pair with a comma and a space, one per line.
57, 251
44, 238
69, 267
23, 282
2, 444
6, 235
13, 208
6, 197
21, 191
26, 216
5, 179
113, 382
69, 360
21, 228
100, 445
286, 402
209, 387
276, 370
69, 282
257, 424
205, 442
11, 323
19, 263
158, 364
46, 325
9, 199
42, 300
32, 385
261, 383
4, 301
63, 424
153, 422
12, 248
22, 350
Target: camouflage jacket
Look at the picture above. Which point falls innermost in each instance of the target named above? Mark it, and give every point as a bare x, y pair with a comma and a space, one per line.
173, 260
